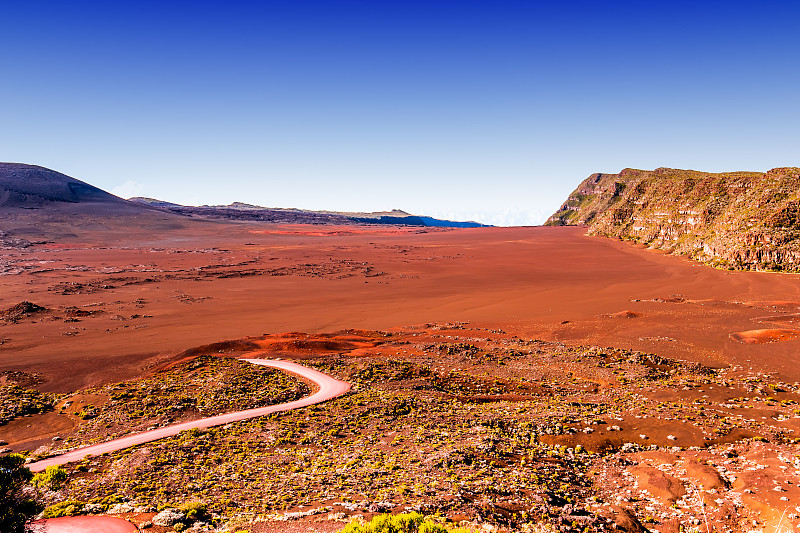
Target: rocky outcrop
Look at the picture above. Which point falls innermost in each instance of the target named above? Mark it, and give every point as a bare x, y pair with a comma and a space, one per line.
735, 220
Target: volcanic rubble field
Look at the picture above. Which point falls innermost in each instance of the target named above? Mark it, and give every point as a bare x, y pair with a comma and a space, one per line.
476, 425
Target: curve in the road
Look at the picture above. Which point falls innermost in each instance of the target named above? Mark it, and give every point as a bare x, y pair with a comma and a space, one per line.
83, 524
329, 387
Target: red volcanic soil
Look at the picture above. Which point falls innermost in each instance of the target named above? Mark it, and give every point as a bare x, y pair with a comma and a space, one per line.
154, 293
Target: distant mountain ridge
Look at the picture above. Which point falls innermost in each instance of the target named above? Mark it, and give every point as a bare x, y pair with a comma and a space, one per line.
735, 220
36, 188
245, 211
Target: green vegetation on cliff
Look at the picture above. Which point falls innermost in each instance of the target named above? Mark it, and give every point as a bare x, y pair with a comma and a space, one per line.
735, 220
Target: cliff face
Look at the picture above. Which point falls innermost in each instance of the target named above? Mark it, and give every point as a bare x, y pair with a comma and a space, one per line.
736, 220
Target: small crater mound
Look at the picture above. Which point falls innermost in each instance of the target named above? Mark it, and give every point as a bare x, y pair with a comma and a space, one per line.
226, 347
626, 313
21, 310
765, 336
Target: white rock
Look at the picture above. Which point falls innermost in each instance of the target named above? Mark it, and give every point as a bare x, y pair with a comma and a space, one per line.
92, 508
168, 517
119, 508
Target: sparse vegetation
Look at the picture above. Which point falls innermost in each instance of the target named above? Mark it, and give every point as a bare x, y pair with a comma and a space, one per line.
204, 386
16, 401
402, 523
519, 434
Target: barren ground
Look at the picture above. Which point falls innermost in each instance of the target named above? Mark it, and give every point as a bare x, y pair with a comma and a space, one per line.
482, 357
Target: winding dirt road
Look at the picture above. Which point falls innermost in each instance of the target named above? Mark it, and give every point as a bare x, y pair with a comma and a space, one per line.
329, 387
83, 524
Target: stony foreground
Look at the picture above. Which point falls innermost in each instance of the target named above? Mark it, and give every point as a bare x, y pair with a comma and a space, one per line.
483, 427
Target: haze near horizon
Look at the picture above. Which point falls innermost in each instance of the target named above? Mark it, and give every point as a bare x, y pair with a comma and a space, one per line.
489, 112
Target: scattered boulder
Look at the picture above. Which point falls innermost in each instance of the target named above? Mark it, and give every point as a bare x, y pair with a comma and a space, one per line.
120, 508
168, 518
380, 507
93, 508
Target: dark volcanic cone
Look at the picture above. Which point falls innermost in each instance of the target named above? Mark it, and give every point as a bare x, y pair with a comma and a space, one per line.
40, 206
34, 186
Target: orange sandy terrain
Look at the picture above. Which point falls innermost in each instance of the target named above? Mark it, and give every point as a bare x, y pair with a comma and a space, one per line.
114, 305
113, 311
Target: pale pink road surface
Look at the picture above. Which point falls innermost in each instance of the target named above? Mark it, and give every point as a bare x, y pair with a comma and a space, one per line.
329, 387
83, 524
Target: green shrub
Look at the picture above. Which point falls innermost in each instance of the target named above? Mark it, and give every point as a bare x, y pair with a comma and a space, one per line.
52, 478
431, 527
67, 508
195, 511
15, 508
401, 523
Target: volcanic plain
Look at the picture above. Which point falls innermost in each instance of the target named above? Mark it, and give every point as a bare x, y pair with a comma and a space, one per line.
506, 378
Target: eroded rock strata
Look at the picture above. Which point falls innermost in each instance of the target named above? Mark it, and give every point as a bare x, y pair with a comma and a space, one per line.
735, 220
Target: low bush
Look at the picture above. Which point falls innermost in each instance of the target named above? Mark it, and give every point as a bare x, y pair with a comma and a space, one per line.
67, 508
52, 478
401, 523
195, 511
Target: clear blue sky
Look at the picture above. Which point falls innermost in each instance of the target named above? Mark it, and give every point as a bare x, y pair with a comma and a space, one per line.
490, 110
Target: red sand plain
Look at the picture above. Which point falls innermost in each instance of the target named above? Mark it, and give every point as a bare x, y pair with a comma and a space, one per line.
113, 311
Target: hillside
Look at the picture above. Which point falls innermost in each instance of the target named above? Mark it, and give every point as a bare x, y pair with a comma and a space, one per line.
31, 186
734, 220
39, 205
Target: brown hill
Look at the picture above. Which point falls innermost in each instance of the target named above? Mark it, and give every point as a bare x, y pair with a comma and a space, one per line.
40, 205
31, 186
735, 220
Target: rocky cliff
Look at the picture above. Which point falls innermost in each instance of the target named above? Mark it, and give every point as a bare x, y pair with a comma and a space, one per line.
735, 220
